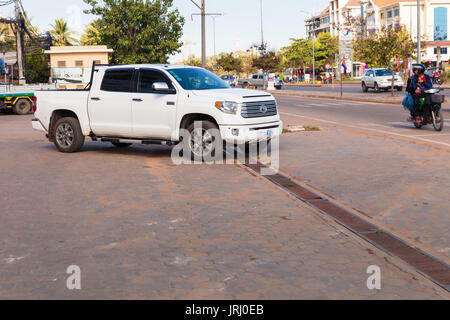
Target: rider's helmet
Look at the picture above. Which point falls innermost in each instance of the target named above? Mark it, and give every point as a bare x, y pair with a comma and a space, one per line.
419, 67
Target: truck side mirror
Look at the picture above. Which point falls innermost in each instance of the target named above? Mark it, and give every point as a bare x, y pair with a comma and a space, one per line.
162, 87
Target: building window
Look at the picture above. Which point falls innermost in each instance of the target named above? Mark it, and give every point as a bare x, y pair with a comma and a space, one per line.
396, 12
78, 63
61, 64
389, 14
440, 24
443, 50
97, 62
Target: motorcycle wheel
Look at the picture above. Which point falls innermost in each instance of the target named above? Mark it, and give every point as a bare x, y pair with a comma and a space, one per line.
438, 120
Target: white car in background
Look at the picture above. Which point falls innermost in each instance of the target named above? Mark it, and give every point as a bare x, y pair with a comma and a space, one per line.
380, 79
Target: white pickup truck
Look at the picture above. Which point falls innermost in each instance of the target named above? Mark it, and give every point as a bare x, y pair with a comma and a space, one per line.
152, 104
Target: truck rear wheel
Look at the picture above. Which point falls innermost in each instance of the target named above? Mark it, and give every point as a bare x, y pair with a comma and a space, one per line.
68, 135
22, 107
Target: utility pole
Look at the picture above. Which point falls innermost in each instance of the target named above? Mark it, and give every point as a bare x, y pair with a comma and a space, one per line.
214, 16
314, 58
203, 15
262, 24
313, 46
19, 43
419, 49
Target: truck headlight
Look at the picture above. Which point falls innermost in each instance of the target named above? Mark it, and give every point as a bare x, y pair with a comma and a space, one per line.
227, 106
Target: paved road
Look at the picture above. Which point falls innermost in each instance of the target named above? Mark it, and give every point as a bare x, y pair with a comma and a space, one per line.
368, 159
368, 116
140, 227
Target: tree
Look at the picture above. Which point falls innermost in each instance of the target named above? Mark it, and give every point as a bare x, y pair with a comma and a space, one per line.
36, 68
139, 31
61, 34
297, 54
192, 60
326, 47
91, 36
268, 60
384, 48
228, 63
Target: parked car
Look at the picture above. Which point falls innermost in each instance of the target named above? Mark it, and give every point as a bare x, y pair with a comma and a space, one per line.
155, 104
380, 79
229, 79
256, 80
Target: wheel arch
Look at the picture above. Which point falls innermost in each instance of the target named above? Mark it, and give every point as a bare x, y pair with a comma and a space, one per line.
56, 115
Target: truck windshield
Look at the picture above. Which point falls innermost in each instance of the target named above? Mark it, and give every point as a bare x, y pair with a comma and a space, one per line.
382, 73
197, 79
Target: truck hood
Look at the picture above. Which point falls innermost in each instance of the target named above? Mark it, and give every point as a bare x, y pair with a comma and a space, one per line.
237, 95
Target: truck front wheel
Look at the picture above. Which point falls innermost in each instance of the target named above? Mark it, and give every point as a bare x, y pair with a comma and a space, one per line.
22, 107
68, 135
204, 140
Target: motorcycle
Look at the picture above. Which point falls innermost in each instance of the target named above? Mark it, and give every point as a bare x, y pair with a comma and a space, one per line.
437, 80
432, 114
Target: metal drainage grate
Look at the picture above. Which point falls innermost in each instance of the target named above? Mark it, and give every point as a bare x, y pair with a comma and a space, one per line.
433, 268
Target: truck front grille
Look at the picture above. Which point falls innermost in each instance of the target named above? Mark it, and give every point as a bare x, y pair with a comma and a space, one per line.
259, 109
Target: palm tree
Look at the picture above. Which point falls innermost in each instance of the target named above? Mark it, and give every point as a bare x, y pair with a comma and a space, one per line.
61, 34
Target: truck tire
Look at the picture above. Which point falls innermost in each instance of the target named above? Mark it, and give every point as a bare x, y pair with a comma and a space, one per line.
121, 145
209, 145
22, 107
68, 135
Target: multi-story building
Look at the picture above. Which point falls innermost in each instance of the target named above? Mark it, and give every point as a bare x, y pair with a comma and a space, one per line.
434, 23
390, 13
317, 24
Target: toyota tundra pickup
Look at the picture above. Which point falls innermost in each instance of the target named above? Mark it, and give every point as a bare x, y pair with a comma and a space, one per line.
154, 104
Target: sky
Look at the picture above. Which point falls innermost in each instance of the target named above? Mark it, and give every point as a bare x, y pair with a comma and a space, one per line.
237, 29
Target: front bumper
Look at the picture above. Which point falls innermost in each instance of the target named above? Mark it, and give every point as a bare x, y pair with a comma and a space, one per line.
251, 133
387, 85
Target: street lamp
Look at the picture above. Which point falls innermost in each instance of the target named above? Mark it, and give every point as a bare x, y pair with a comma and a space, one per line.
419, 49
313, 46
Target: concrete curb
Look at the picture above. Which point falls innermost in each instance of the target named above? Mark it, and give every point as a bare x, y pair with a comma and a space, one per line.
295, 94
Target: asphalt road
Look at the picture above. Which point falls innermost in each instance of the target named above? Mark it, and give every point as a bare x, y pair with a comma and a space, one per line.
371, 117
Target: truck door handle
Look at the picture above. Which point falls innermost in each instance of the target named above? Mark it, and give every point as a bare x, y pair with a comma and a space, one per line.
137, 100
170, 103
95, 99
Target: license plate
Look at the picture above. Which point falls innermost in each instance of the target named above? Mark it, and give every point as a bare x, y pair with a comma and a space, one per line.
269, 133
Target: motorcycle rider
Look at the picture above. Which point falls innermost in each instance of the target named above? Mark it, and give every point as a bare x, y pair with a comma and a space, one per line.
417, 84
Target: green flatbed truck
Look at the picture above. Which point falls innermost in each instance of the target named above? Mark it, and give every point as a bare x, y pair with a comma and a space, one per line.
19, 103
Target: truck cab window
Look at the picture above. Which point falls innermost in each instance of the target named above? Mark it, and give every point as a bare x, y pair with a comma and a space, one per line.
148, 77
117, 80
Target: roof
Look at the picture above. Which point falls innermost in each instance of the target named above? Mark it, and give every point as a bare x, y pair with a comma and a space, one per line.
78, 49
383, 3
353, 3
325, 12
